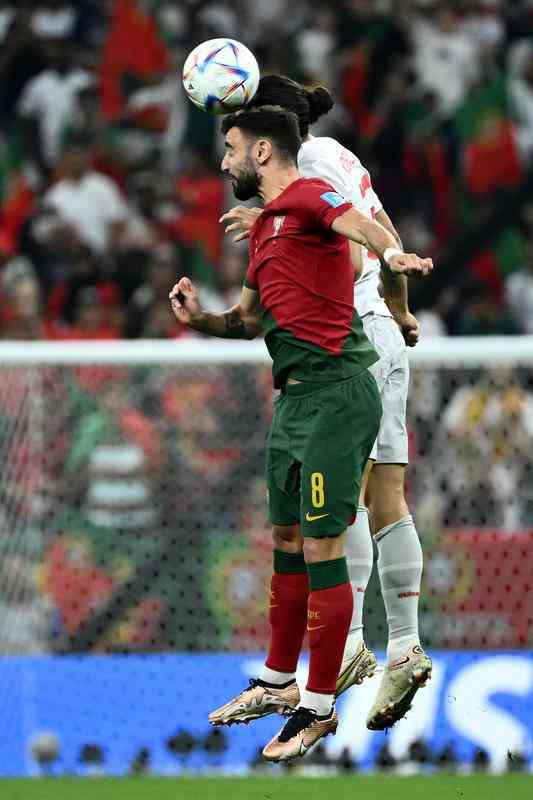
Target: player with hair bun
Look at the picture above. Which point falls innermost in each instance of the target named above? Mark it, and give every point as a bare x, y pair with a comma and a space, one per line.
320, 102
390, 327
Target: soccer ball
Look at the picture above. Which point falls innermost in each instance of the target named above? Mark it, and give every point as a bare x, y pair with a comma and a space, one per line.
220, 76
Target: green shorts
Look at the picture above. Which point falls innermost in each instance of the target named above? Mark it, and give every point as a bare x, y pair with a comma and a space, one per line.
319, 443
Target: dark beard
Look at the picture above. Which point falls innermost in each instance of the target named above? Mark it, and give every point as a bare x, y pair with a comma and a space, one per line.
246, 185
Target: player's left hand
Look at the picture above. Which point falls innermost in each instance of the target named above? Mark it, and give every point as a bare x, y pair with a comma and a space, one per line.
241, 220
410, 328
411, 264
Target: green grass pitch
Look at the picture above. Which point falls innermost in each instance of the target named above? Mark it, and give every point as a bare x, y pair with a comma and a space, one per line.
437, 787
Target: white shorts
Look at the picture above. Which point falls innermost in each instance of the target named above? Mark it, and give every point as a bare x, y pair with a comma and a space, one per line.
392, 376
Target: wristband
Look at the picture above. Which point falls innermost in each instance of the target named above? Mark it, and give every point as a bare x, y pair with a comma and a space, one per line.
390, 252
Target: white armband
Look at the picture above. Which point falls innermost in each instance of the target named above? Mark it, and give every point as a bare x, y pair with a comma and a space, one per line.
390, 252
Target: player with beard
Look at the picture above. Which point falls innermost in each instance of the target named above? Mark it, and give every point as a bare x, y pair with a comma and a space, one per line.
299, 291
382, 496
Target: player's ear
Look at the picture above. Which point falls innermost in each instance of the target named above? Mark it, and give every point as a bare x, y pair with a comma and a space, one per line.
263, 150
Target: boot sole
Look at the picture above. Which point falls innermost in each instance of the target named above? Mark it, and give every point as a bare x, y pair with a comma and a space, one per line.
395, 712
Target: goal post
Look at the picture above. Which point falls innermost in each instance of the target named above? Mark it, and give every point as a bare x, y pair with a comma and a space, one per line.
437, 351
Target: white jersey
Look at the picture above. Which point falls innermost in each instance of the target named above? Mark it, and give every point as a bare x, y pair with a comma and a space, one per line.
323, 157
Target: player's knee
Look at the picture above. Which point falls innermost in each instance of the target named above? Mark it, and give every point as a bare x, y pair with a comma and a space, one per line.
324, 549
385, 495
388, 500
287, 538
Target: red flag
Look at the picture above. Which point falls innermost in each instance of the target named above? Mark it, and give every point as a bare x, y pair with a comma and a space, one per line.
133, 46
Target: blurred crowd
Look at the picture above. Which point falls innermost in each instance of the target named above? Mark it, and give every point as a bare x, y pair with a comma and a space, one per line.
109, 178
133, 518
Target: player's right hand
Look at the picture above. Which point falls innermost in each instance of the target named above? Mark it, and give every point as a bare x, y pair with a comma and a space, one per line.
410, 328
184, 301
241, 220
411, 264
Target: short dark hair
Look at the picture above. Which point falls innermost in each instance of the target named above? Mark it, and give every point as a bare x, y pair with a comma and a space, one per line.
270, 122
308, 104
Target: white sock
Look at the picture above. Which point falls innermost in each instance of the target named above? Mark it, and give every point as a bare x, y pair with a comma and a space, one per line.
320, 703
276, 678
400, 563
359, 557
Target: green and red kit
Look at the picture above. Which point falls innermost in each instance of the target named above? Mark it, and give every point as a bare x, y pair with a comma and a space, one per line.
302, 272
324, 427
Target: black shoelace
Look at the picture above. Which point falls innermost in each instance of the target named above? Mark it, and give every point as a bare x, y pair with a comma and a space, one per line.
299, 719
253, 682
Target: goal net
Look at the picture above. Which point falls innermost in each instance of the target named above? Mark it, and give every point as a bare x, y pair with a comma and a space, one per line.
135, 548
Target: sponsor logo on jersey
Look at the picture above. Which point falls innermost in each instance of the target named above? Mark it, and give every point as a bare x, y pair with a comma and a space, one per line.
333, 199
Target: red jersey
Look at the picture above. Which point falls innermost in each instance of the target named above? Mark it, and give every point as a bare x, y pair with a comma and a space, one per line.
303, 274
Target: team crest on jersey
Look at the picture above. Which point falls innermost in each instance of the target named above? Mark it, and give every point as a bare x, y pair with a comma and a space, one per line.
348, 161
278, 224
333, 199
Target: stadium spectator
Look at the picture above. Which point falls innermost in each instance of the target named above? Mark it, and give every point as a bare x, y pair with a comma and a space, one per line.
54, 19
488, 429
315, 45
69, 304
94, 313
148, 313
7, 15
482, 315
521, 94
51, 245
484, 22
116, 454
21, 60
232, 272
200, 192
446, 60
415, 86
88, 201
219, 18
519, 293
49, 103
22, 315
26, 613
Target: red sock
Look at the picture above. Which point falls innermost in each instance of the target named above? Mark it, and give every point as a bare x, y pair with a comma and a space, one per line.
329, 616
288, 616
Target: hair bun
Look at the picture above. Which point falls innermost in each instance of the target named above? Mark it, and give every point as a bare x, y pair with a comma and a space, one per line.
320, 102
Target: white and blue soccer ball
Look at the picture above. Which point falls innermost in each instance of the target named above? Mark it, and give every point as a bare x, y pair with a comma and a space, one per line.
220, 76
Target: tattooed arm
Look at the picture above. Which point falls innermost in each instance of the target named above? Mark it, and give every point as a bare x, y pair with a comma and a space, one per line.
240, 322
